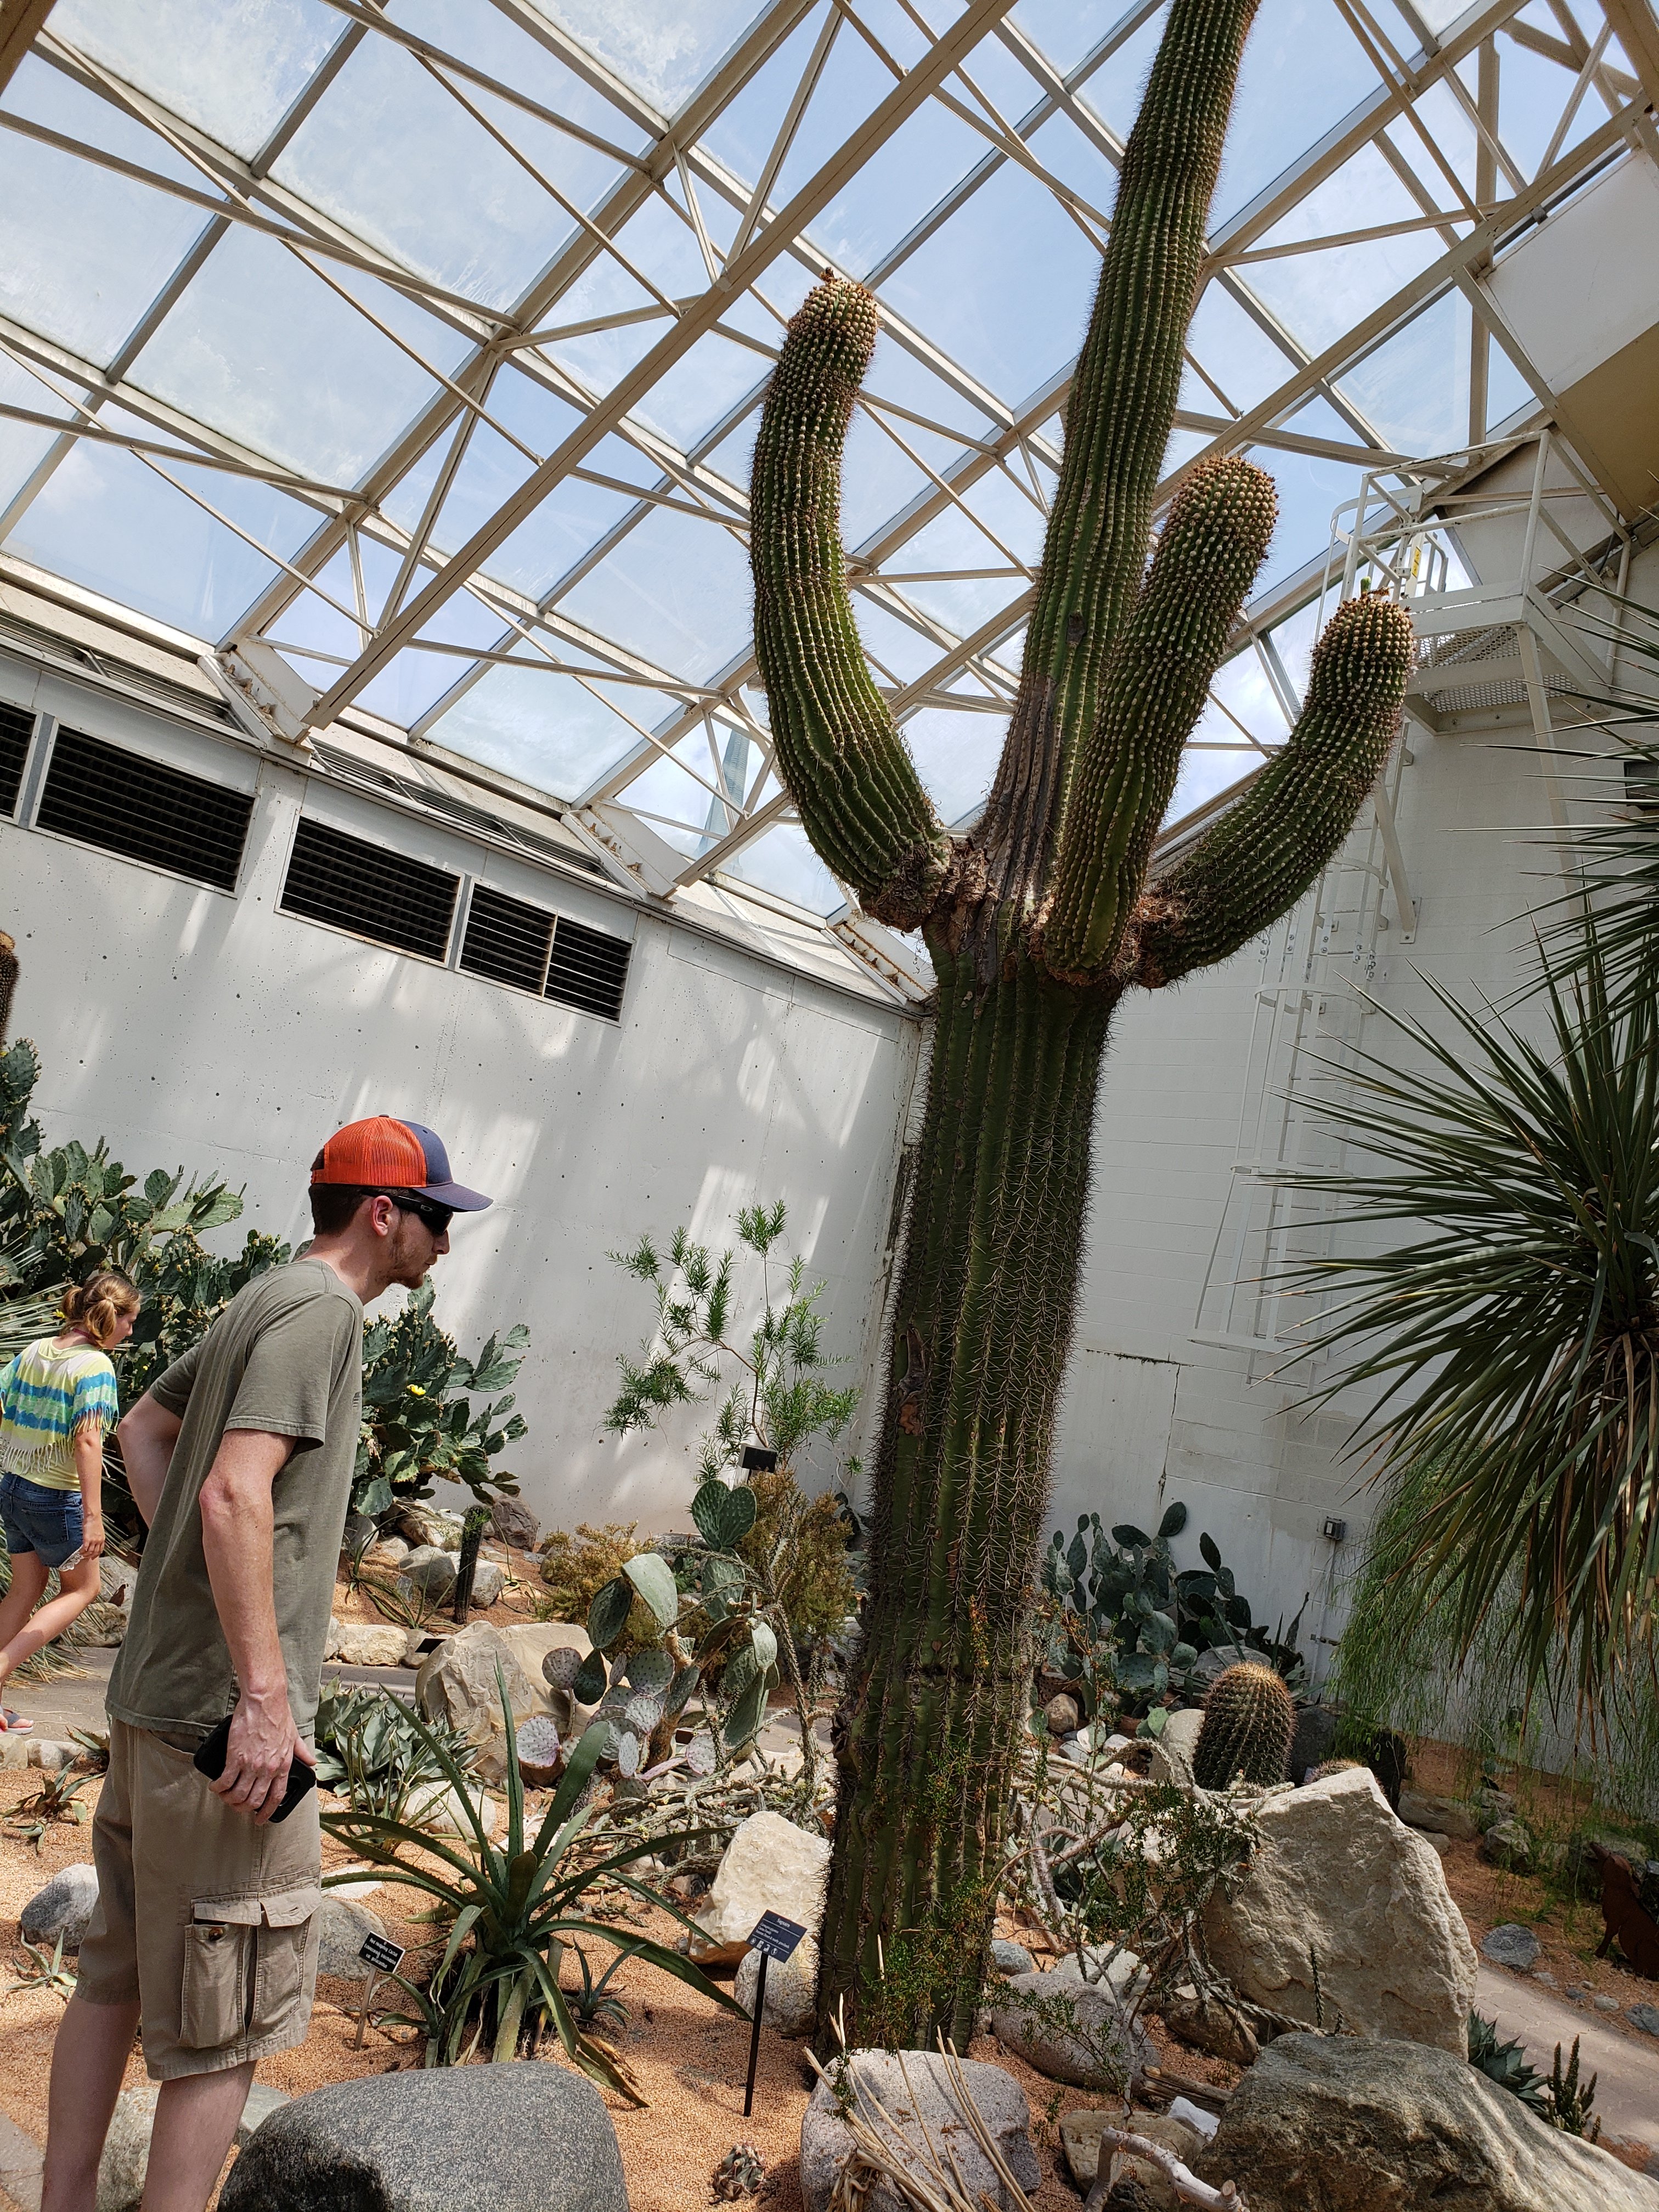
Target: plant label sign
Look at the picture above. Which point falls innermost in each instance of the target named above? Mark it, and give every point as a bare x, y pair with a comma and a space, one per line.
379, 1956
776, 1937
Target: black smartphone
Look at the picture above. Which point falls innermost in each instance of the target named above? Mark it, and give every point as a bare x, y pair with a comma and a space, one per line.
211, 1760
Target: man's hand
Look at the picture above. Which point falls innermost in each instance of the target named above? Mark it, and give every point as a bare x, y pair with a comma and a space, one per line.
264, 1742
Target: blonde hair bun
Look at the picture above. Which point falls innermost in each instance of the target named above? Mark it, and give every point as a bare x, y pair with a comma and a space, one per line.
98, 1304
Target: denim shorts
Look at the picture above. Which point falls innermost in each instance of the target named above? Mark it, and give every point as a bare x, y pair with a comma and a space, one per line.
38, 1519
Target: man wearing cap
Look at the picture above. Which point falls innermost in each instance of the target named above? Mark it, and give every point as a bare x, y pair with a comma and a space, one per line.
241, 1458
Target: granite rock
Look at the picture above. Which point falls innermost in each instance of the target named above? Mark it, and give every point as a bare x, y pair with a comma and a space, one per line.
126, 2147
1009, 1958
1510, 1945
518, 2137
342, 1924
457, 1683
64, 1907
1509, 1844
913, 2089
1173, 1747
1070, 2030
1442, 1816
792, 1988
371, 1644
512, 1522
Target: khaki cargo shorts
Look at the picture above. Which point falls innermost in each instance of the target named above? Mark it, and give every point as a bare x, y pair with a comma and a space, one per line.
205, 1921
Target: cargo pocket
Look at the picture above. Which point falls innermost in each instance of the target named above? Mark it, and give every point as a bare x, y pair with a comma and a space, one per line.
218, 1952
281, 1945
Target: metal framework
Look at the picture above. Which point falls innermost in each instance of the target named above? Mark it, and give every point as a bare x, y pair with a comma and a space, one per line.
675, 245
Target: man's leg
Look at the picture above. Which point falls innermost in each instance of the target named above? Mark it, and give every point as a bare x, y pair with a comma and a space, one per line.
87, 2061
196, 2119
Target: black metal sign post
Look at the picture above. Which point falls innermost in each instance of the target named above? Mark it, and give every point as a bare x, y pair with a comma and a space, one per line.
774, 1937
380, 1957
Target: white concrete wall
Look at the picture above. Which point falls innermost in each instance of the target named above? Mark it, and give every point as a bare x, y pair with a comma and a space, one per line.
1150, 1415
191, 1027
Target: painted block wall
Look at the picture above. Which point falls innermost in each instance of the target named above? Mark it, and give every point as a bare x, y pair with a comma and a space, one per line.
191, 1027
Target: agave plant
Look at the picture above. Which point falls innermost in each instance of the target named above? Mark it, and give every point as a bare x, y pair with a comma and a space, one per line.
1513, 1338
514, 1909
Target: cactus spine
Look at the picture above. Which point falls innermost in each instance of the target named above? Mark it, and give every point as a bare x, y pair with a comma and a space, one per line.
1248, 1722
1036, 924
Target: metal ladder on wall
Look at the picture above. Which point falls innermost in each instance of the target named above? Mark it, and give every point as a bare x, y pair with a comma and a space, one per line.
1307, 1022
1502, 653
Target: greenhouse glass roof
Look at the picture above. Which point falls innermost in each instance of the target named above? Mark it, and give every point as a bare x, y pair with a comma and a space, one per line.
425, 341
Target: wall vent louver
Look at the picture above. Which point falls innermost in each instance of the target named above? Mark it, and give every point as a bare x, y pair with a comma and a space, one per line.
588, 969
16, 727
506, 941
123, 802
512, 942
369, 890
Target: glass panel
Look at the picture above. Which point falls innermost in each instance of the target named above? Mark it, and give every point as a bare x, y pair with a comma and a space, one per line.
1416, 388
105, 520
261, 348
1302, 71
1004, 287
665, 51
676, 592
234, 67
549, 730
85, 251
956, 757
784, 863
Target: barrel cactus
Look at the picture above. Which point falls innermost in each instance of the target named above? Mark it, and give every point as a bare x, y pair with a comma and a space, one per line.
1248, 1722
1037, 922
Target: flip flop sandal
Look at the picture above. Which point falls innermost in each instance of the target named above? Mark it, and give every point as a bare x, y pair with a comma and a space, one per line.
16, 1724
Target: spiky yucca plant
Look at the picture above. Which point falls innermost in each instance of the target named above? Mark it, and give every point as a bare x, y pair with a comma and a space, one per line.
1248, 1722
1037, 925
1511, 1339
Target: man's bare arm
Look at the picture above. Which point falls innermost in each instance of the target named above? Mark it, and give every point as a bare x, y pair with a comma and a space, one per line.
147, 1435
237, 1544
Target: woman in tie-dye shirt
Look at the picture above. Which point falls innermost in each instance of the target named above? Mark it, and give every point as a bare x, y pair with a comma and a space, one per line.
57, 1399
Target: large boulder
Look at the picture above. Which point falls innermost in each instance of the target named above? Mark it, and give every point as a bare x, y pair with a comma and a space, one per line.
64, 1907
430, 1570
770, 1866
125, 2157
913, 2089
1326, 2123
1313, 1742
457, 1684
533, 1643
1442, 1816
1070, 2030
1338, 1878
518, 2137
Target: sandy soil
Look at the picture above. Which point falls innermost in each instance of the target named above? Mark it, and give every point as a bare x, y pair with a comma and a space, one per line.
524, 1590
689, 2056
1568, 1931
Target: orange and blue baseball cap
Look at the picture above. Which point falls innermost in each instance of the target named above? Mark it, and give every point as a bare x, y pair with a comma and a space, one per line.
385, 1154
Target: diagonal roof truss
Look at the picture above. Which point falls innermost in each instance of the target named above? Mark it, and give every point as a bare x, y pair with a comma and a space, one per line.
430, 363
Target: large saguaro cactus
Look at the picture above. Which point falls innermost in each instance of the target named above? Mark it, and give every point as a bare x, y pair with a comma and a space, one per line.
1036, 924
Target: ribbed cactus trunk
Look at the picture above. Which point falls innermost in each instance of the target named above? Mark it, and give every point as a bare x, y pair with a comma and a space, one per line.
1036, 924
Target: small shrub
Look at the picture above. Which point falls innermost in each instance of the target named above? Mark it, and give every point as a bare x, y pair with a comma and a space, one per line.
813, 1576
577, 1568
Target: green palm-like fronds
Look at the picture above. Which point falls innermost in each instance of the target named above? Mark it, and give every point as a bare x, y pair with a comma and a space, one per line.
1513, 1339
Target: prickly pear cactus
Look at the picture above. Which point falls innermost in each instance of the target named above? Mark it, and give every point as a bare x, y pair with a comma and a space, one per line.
1037, 922
1248, 1722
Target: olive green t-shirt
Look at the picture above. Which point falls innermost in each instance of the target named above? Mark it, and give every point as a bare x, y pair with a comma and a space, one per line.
284, 1357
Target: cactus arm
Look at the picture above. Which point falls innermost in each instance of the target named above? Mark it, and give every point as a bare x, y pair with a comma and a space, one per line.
1259, 858
1153, 693
1117, 426
846, 766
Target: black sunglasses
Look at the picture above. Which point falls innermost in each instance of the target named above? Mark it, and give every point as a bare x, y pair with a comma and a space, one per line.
436, 1218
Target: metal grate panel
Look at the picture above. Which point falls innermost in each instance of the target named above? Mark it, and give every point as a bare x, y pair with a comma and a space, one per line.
124, 802
588, 969
506, 940
16, 728
373, 892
